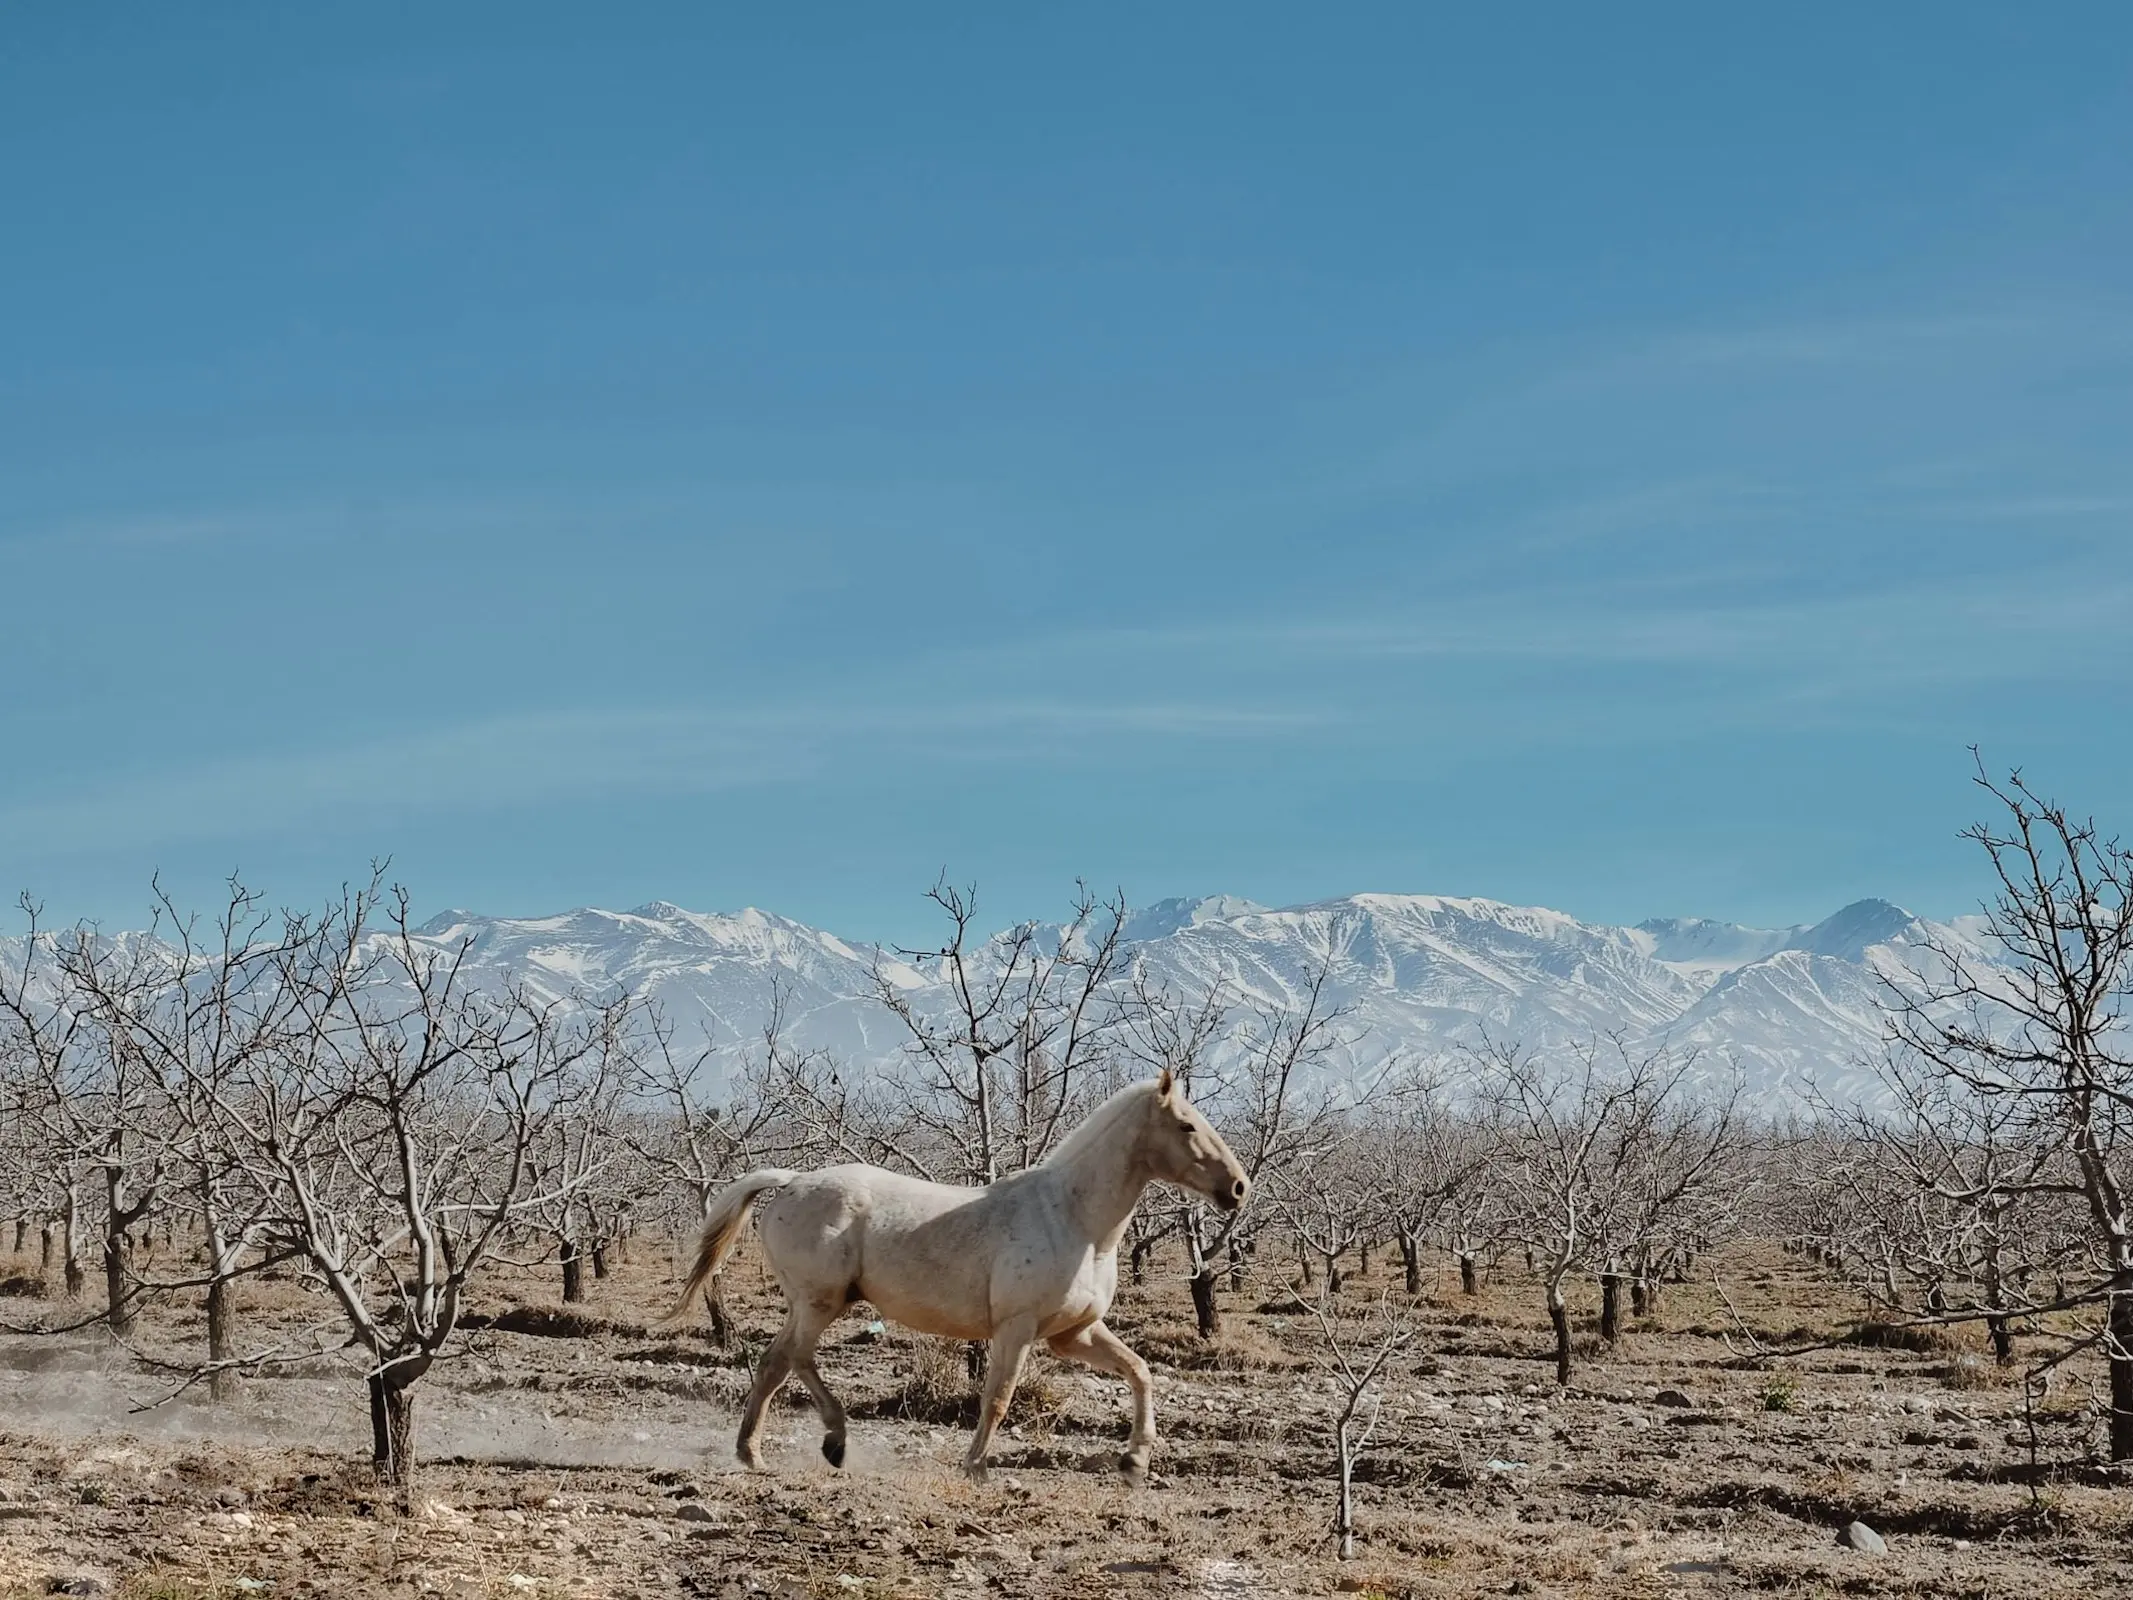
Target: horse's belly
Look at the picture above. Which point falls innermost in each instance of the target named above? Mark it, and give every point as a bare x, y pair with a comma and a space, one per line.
951, 1316
928, 1273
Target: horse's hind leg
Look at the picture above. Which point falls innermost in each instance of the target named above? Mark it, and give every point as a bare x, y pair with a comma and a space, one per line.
777, 1364
827, 1405
808, 1321
791, 1354
1097, 1346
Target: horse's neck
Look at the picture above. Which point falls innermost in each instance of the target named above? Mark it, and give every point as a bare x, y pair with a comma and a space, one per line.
1102, 1184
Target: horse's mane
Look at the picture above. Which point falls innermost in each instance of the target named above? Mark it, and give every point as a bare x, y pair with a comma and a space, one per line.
1098, 1124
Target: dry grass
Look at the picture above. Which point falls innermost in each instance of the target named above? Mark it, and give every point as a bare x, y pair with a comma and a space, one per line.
1886, 1333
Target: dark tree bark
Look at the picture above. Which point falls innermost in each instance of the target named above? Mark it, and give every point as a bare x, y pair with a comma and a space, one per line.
1640, 1297
392, 1432
1559, 1317
1469, 1277
1236, 1267
573, 1273
222, 1383
1204, 1309
599, 1259
2121, 1357
2002, 1332
1137, 1261
1610, 1306
1411, 1264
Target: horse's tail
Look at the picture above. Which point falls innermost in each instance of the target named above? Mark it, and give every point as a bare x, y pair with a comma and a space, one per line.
723, 1221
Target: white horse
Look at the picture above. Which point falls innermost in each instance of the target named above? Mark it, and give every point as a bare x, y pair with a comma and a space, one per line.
1033, 1256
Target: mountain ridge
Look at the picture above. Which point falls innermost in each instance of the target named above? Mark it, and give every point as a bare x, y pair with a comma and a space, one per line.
1795, 1010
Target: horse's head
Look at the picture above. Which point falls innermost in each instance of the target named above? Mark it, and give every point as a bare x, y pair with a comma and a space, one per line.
1183, 1148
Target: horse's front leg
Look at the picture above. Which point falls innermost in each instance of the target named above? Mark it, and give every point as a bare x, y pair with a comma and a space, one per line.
1097, 1346
1003, 1370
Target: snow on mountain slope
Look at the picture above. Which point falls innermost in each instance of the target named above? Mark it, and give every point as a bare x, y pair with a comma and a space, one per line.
713, 975
1417, 975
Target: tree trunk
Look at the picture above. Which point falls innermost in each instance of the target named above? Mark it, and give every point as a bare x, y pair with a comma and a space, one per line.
1559, 1316
1411, 1263
1610, 1307
2002, 1339
1362, 1260
721, 1324
1469, 1278
77, 1279
599, 1260
44, 1261
222, 1384
118, 1308
22, 1233
1344, 1513
2121, 1352
1333, 1275
573, 1273
1236, 1267
392, 1432
1138, 1261
1204, 1309
1640, 1297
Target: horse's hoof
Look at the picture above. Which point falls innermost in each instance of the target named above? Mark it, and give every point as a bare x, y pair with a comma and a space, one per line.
749, 1458
833, 1449
977, 1471
1134, 1469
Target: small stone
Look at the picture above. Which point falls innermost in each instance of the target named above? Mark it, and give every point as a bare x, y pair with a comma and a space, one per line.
229, 1497
694, 1511
1674, 1398
77, 1583
1864, 1540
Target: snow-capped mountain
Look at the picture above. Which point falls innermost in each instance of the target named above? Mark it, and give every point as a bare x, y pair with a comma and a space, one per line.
1416, 976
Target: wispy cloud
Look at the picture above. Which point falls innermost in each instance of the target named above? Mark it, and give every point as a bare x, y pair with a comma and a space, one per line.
544, 757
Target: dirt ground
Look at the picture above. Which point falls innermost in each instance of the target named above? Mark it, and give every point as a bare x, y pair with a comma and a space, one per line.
600, 1464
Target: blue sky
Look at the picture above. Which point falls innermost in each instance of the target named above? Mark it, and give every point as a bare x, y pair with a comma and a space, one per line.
1613, 457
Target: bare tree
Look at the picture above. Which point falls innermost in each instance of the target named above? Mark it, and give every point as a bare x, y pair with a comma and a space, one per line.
1424, 1157
998, 1076
90, 1095
1262, 1083
1355, 1355
1578, 1133
2045, 1028
399, 1126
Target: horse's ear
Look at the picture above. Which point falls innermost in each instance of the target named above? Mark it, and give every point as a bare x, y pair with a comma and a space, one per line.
1165, 1082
